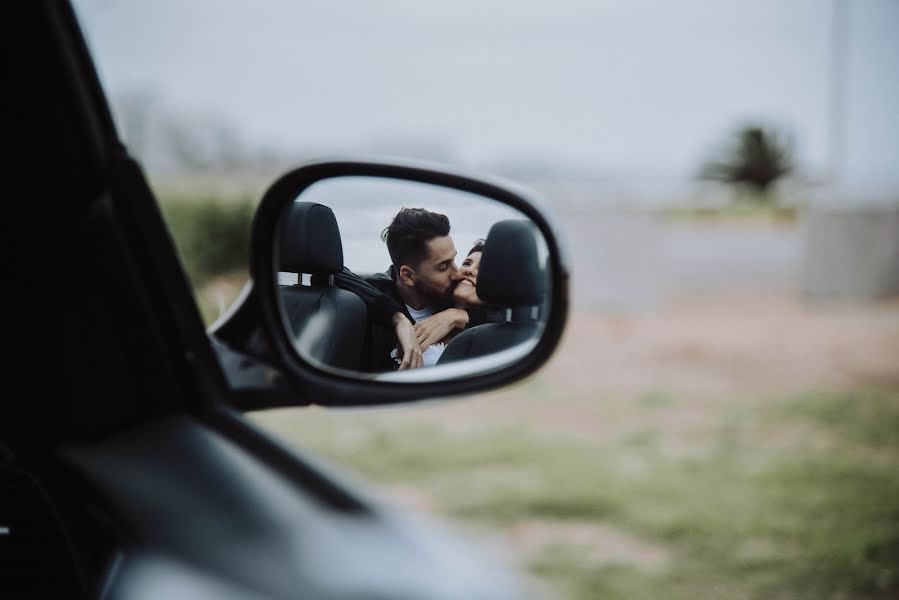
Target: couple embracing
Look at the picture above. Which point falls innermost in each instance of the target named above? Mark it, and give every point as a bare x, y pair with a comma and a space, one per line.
424, 298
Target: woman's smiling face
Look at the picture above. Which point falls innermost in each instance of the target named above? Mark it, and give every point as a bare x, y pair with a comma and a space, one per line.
466, 294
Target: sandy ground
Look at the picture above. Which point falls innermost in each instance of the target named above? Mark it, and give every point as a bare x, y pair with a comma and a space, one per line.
708, 354
701, 351
739, 345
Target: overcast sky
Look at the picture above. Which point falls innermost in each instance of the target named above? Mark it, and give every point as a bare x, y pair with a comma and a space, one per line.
613, 87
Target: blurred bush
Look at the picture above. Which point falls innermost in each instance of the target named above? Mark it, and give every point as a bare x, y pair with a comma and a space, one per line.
212, 234
756, 158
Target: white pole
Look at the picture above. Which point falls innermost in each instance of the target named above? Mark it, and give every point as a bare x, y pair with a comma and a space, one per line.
839, 93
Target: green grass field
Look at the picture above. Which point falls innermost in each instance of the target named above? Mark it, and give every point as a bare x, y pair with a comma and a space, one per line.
794, 497
735, 213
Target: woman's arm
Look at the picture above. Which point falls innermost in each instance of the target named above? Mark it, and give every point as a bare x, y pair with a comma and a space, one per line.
438, 326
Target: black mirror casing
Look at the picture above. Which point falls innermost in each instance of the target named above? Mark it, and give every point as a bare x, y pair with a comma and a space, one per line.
255, 326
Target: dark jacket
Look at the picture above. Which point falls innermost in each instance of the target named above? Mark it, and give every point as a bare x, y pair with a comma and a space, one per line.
380, 295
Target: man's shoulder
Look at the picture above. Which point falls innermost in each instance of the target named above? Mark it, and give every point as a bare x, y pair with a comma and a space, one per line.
382, 281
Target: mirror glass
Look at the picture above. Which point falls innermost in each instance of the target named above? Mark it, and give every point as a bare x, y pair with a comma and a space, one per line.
408, 281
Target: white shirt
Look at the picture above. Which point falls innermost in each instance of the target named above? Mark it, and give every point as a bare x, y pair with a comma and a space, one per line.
432, 353
418, 315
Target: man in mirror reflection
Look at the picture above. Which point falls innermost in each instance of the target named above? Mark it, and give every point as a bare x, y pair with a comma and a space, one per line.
416, 310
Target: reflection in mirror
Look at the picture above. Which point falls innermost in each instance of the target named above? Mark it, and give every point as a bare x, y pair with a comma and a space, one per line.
389, 277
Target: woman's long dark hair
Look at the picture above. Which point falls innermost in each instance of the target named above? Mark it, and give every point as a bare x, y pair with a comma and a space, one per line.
478, 247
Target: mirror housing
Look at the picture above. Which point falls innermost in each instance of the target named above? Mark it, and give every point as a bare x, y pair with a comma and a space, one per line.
260, 356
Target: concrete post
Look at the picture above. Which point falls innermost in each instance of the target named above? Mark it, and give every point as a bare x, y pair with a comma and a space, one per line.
851, 252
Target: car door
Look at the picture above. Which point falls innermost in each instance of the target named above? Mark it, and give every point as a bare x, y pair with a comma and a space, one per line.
115, 408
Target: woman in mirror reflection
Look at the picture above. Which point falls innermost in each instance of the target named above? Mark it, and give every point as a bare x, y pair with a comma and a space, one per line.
434, 332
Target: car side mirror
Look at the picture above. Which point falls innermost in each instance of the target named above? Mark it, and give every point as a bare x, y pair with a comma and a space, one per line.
376, 283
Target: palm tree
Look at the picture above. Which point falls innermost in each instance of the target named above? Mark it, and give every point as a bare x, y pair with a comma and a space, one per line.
756, 159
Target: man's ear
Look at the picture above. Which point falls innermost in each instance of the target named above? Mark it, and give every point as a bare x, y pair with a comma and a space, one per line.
407, 275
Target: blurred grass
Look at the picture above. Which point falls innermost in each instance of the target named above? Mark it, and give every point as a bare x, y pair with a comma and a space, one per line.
212, 235
792, 497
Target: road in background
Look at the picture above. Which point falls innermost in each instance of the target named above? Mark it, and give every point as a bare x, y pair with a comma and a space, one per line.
639, 260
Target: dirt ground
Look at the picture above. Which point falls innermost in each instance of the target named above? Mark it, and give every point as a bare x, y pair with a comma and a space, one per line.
738, 345
701, 351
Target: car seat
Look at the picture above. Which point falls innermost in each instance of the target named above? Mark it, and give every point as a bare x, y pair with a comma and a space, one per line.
328, 323
510, 277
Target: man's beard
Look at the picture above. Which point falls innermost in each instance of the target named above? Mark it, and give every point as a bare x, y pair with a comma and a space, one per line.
432, 293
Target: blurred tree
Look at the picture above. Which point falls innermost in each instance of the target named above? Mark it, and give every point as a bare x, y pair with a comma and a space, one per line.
756, 159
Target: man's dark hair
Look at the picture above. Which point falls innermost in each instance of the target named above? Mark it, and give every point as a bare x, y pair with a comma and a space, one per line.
410, 231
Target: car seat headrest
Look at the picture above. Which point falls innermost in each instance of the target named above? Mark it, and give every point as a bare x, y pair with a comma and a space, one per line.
509, 274
310, 240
